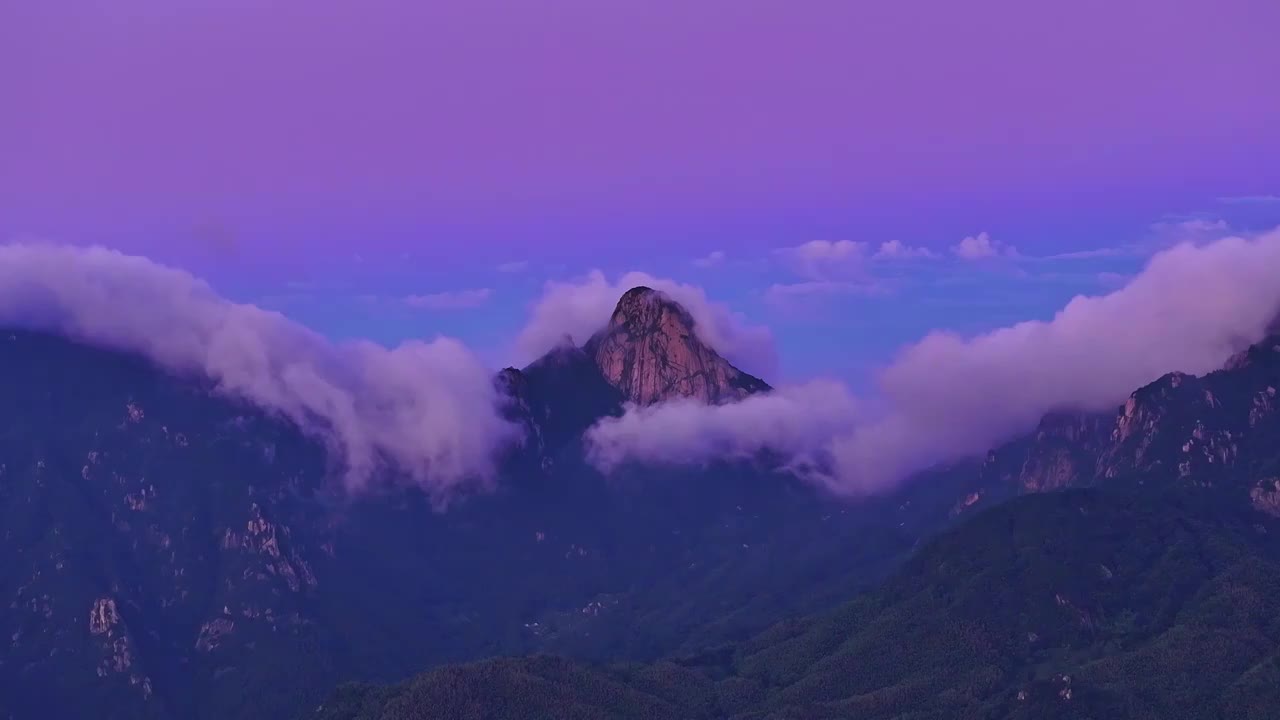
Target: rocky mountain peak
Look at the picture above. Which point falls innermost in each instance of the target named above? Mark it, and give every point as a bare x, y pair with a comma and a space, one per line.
643, 310
651, 352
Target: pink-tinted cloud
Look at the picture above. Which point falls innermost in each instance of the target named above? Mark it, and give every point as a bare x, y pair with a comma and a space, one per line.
823, 260
1190, 229
898, 250
711, 259
1105, 252
785, 422
981, 247
1251, 200
948, 396
430, 408
582, 307
451, 300
837, 267
784, 295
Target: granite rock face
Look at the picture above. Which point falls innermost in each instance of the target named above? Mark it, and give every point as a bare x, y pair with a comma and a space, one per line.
651, 353
1218, 429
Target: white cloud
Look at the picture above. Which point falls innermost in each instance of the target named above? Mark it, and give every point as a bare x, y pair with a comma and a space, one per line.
1251, 200
712, 259
430, 409
1190, 229
1093, 254
897, 250
825, 259
1164, 234
948, 396
451, 300
836, 263
782, 294
684, 431
982, 246
837, 268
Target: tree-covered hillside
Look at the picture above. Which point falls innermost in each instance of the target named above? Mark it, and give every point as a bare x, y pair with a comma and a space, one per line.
1117, 603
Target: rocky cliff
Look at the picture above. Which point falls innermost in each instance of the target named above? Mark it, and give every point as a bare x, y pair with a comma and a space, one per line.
1218, 429
648, 353
651, 352
167, 552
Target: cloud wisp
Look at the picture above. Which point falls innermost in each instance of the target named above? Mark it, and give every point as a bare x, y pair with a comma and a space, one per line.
830, 261
948, 396
783, 422
515, 266
450, 300
898, 250
431, 412
841, 268
579, 308
711, 259
981, 247
826, 260
1251, 200
427, 409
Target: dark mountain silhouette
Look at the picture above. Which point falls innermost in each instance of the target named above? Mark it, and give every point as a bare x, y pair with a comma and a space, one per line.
1095, 603
1137, 577
170, 553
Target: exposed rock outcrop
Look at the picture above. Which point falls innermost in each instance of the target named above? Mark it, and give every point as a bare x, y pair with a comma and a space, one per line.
651, 352
1203, 430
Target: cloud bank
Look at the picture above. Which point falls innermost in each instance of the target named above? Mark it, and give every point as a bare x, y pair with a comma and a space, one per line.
429, 409
947, 396
582, 307
784, 422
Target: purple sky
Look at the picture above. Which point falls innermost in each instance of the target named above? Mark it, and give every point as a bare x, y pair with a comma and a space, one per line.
267, 145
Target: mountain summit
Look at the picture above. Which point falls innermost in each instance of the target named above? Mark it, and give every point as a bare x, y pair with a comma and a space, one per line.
650, 352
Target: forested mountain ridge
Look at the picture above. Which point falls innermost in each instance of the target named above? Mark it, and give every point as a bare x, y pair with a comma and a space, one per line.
169, 552
1135, 578
1097, 603
1220, 429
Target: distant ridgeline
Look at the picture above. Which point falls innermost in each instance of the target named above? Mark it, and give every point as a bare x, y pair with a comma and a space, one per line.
168, 552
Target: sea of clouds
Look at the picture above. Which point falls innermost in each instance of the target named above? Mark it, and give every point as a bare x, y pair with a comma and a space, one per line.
430, 412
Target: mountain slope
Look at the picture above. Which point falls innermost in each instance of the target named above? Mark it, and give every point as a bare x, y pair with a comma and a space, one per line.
123, 501
1087, 603
1150, 597
1220, 429
168, 552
